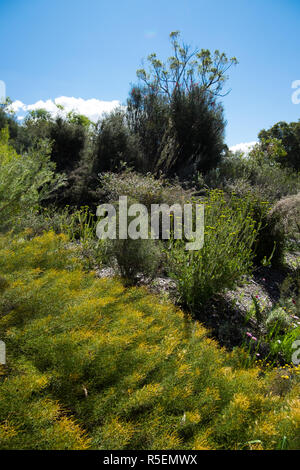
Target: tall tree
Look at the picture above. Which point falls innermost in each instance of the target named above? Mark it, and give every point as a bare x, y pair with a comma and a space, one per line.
147, 116
194, 140
185, 69
174, 110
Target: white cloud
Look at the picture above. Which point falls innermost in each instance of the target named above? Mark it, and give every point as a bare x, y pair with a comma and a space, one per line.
49, 105
92, 108
17, 106
244, 147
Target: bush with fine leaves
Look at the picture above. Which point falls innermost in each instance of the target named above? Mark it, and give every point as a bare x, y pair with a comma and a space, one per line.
25, 179
229, 234
145, 189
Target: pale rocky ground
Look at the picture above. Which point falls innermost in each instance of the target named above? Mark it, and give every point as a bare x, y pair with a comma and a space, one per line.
264, 284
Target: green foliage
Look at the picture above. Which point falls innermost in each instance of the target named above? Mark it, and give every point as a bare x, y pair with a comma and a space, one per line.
179, 125
270, 240
8, 120
269, 151
278, 321
39, 114
277, 328
186, 69
179, 138
286, 345
69, 140
225, 256
136, 257
146, 189
247, 178
91, 364
147, 116
194, 138
25, 180
115, 144
79, 119
287, 210
289, 135
257, 173
79, 225
72, 148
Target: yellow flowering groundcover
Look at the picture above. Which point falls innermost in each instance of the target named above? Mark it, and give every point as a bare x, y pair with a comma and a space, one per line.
93, 365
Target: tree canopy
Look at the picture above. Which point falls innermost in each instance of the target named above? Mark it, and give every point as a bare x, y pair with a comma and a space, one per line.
289, 134
187, 68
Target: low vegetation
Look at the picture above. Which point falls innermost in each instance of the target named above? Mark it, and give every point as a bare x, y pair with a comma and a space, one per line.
92, 364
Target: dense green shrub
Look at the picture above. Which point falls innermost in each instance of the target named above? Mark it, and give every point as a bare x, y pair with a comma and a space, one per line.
174, 113
136, 257
8, 120
72, 150
264, 178
288, 211
179, 136
25, 180
278, 321
115, 144
270, 240
147, 116
146, 189
269, 183
91, 364
194, 137
289, 134
225, 256
68, 137
276, 328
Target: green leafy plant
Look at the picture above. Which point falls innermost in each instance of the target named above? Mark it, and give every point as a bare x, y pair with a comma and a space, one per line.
226, 254
135, 257
146, 189
25, 180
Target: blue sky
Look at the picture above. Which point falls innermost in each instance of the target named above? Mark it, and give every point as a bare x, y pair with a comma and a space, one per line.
91, 49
